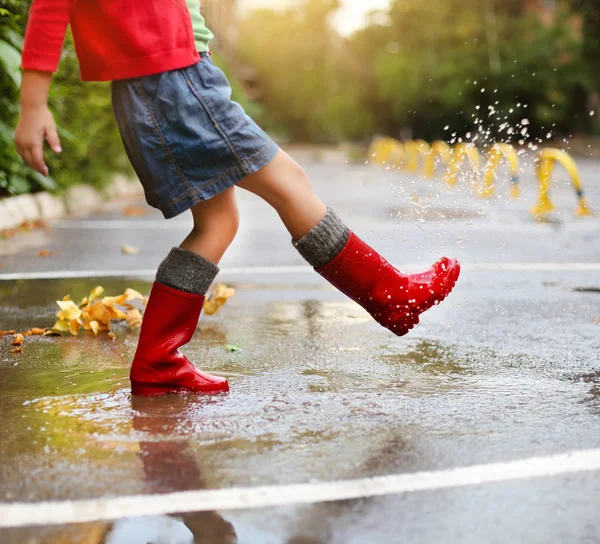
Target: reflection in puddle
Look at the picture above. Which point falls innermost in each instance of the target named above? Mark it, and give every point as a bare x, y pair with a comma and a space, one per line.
168, 465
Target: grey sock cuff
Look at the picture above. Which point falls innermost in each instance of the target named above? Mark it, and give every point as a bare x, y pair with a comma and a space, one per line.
187, 271
325, 241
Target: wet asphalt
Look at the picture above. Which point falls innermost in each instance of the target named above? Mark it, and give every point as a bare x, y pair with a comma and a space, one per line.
508, 367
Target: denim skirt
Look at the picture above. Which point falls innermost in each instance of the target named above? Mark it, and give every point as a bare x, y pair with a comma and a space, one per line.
185, 137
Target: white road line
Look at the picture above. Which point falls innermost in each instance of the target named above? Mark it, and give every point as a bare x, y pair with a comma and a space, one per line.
161, 224
111, 508
121, 224
295, 269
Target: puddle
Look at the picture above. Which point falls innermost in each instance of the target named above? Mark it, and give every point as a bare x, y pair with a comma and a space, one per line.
317, 392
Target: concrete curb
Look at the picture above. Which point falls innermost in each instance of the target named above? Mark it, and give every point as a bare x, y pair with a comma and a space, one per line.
78, 200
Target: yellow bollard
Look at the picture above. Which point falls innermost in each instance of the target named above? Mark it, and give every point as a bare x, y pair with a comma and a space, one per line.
414, 149
460, 152
546, 160
424, 151
380, 149
397, 154
497, 153
411, 150
373, 149
438, 149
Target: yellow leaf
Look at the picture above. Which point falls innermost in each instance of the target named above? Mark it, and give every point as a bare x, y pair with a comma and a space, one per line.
69, 310
100, 313
111, 301
132, 294
210, 307
37, 331
130, 250
18, 340
219, 297
95, 292
86, 318
111, 335
74, 326
66, 297
115, 313
61, 325
94, 327
222, 291
134, 318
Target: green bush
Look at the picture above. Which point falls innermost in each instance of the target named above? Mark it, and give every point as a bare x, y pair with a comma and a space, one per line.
92, 149
423, 67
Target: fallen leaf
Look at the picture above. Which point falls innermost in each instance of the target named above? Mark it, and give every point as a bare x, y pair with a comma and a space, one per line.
100, 313
95, 327
111, 335
218, 298
69, 310
37, 331
135, 211
233, 347
132, 294
18, 340
26, 333
74, 326
7, 332
17, 350
94, 294
52, 332
134, 318
61, 325
130, 250
46, 253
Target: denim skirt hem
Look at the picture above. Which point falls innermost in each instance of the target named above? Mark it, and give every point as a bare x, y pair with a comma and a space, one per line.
185, 138
221, 183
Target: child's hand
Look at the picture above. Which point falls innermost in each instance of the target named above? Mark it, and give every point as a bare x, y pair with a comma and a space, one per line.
36, 124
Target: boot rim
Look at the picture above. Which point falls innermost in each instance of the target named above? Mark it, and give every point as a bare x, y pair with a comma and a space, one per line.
177, 292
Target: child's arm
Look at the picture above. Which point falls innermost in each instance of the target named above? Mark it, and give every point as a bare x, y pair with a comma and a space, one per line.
46, 28
35, 121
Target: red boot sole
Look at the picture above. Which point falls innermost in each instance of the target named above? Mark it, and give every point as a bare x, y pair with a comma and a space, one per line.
145, 390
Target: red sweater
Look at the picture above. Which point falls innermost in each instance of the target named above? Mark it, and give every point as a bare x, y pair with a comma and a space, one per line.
114, 39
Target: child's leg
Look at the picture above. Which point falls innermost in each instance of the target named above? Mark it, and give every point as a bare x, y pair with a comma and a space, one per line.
176, 301
216, 222
286, 187
393, 298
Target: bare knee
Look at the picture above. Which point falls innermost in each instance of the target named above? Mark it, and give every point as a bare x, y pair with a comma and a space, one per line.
280, 182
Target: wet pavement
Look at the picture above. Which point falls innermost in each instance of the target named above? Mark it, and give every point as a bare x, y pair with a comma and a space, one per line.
507, 368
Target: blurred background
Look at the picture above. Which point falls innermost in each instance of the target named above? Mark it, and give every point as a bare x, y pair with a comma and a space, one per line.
329, 72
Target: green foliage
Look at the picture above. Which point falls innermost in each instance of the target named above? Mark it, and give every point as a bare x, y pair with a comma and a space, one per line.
425, 66
92, 149
306, 93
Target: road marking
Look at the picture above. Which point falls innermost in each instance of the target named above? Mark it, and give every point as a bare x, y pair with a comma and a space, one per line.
121, 224
295, 269
161, 224
111, 508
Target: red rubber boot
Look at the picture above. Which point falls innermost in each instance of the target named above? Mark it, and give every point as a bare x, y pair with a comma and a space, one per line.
159, 367
394, 299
